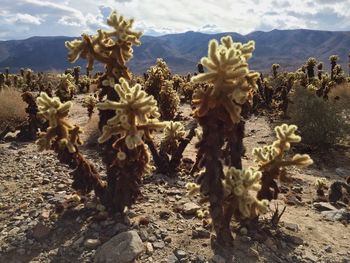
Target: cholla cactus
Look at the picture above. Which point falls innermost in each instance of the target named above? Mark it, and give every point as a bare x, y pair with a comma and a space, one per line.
173, 133
272, 160
218, 108
63, 138
333, 59
66, 87
229, 73
310, 66
112, 48
60, 131
168, 101
274, 68
136, 116
156, 76
321, 185
90, 103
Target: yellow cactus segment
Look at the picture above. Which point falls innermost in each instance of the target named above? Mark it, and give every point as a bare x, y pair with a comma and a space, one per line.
193, 188
59, 129
123, 29
231, 78
274, 154
242, 186
174, 130
135, 113
52, 109
116, 43
89, 101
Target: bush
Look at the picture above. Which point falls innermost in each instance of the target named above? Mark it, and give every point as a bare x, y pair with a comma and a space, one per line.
321, 122
12, 108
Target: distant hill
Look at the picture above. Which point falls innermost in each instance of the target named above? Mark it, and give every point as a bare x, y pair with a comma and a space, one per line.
289, 48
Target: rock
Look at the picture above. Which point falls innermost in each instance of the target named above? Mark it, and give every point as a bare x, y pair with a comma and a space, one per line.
45, 215
217, 259
180, 254
41, 231
291, 227
190, 208
328, 249
158, 244
200, 232
92, 243
172, 259
337, 215
119, 228
167, 239
324, 206
123, 248
149, 248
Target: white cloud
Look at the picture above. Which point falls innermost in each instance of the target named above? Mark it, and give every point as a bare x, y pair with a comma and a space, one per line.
68, 17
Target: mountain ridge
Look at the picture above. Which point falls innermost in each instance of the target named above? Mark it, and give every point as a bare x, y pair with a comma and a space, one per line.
182, 51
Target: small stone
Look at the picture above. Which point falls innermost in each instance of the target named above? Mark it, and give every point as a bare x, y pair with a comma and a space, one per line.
291, 227
149, 248
200, 232
337, 215
167, 239
218, 259
190, 208
180, 254
45, 215
324, 206
172, 259
158, 244
61, 186
328, 249
92, 243
123, 248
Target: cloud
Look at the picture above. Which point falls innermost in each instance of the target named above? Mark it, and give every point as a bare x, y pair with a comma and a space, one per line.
25, 18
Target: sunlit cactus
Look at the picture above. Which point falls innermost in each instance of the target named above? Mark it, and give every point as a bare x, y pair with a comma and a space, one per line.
272, 160
228, 72
113, 49
64, 139
217, 108
136, 116
89, 103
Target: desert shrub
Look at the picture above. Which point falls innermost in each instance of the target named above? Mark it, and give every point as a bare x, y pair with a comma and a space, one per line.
321, 122
12, 108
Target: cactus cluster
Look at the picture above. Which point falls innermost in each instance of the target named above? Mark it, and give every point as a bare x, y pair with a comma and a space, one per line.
169, 101
272, 160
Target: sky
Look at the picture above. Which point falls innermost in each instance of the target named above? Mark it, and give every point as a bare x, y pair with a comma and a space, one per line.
20, 19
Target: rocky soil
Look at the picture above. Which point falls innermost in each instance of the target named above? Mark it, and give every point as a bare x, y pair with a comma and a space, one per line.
43, 220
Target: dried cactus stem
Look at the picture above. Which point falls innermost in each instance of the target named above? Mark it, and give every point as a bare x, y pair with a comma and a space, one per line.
124, 177
85, 175
211, 181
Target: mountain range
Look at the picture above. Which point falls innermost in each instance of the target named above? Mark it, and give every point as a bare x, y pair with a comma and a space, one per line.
182, 52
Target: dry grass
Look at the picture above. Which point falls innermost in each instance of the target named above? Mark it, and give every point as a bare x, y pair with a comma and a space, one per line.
12, 108
342, 94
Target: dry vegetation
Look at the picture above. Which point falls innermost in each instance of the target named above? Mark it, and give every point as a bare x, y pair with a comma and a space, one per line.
12, 108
